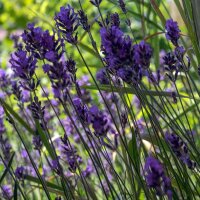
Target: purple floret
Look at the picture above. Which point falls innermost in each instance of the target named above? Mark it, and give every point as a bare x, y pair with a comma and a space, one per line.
172, 31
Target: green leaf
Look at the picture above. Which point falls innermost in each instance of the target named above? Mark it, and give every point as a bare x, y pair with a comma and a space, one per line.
133, 152
45, 140
15, 191
130, 90
16, 116
48, 184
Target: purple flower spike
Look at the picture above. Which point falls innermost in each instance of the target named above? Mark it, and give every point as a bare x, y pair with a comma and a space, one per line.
67, 22
24, 67
180, 148
117, 48
156, 178
99, 121
81, 110
142, 54
122, 6
6, 192
102, 77
19, 172
114, 19
37, 142
41, 44
172, 31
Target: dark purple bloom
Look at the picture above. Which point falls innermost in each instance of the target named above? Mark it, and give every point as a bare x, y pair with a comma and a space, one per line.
6, 149
102, 77
81, 110
42, 44
99, 120
67, 22
6, 192
19, 172
83, 20
126, 74
17, 90
170, 64
88, 171
71, 156
4, 79
62, 75
55, 166
180, 148
122, 6
71, 67
37, 109
22, 64
156, 178
117, 48
15, 39
172, 31
179, 52
24, 67
114, 20
142, 54
37, 142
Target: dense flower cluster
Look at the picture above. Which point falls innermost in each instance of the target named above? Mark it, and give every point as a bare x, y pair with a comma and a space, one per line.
99, 120
24, 66
126, 60
6, 192
172, 31
156, 178
67, 21
41, 44
180, 148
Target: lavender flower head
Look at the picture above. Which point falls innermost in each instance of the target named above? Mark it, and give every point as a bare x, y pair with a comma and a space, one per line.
142, 54
81, 110
102, 77
99, 120
6, 192
37, 142
114, 20
156, 178
19, 172
180, 148
172, 31
122, 6
67, 22
24, 66
116, 47
42, 44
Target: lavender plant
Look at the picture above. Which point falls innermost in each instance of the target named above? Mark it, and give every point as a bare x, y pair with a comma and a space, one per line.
126, 130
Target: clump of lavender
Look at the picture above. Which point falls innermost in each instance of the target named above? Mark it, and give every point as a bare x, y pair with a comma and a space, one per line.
124, 59
99, 120
96, 138
172, 31
156, 178
24, 66
67, 22
20, 173
180, 149
6, 192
